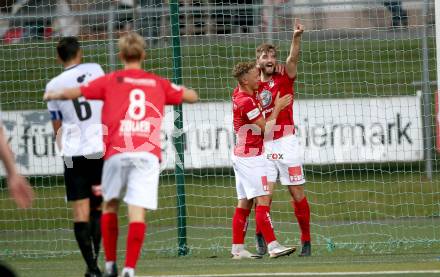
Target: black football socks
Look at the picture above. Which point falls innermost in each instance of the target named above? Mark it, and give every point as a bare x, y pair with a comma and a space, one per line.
83, 237
95, 230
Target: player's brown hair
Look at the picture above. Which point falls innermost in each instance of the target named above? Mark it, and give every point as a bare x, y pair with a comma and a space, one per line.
132, 47
265, 47
241, 69
68, 48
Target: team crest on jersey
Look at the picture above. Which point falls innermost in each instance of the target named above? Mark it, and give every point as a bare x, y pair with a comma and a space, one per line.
271, 83
266, 98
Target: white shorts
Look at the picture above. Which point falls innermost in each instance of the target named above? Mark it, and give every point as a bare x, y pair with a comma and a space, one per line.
285, 157
133, 174
250, 176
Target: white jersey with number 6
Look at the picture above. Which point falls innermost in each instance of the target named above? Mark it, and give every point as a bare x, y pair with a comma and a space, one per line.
81, 119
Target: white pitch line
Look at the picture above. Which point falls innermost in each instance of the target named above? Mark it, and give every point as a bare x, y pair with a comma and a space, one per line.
391, 272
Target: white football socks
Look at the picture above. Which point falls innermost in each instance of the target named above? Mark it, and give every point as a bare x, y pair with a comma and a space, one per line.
237, 248
109, 267
128, 271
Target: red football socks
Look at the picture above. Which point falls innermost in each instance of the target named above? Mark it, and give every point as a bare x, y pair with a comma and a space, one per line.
264, 222
302, 213
135, 239
257, 228
239, 225
109, 230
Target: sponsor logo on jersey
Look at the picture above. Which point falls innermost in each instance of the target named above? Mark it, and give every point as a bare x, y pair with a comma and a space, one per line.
83, 77
140, 82
266, 98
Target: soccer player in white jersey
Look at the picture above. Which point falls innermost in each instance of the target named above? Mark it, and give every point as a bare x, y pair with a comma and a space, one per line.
78, 124
133, 110
249, 164
281, 146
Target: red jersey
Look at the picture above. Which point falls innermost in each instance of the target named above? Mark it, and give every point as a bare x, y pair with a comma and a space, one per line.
267, 92
133, 109
246, 110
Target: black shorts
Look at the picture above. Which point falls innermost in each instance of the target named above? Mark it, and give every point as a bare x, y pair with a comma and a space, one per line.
80, 175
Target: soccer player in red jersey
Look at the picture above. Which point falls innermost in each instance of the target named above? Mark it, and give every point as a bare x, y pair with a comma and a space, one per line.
132, 113
249, 164
281, 146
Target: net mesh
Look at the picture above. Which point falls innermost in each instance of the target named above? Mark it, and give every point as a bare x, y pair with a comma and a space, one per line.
359, 119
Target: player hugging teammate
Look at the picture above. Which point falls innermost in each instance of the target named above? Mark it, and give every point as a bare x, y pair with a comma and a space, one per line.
249, 163
253, 104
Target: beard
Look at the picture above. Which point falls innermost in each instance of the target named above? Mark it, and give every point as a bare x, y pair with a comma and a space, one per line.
268, 70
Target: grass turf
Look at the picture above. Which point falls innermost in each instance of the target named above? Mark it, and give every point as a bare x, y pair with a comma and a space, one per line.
71, 266
362, 215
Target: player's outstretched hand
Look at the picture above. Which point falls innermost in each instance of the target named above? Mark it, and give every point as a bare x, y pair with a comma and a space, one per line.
298, 29
282, 102
20, 190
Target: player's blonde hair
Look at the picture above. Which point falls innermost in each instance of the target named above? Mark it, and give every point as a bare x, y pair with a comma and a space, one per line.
242, 69
265, 48
132, 47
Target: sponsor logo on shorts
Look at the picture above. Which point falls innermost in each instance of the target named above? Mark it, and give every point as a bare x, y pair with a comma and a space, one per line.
275, 156
295, 174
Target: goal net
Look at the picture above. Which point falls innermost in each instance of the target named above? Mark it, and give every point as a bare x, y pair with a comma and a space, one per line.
364, 113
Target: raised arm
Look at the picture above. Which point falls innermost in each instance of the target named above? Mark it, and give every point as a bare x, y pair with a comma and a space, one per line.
292, 59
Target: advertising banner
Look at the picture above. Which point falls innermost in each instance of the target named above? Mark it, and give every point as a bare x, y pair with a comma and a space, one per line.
330, 131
